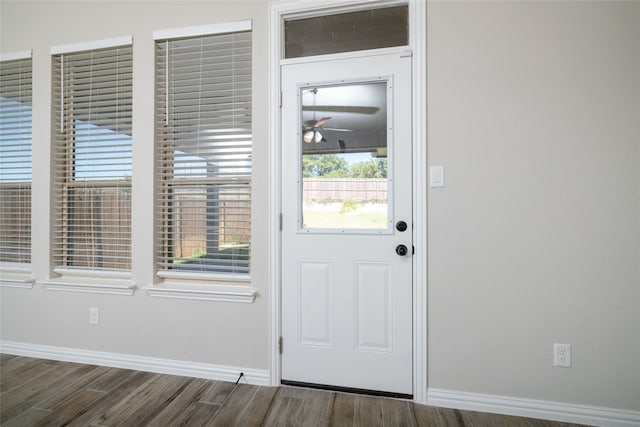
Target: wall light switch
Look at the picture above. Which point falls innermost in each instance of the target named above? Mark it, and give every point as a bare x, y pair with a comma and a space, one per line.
436, 176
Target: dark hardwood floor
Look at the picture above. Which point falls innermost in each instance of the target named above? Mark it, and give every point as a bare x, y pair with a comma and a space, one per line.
36, 392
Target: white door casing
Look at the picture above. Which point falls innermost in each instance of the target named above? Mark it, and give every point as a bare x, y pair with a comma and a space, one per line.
346, 296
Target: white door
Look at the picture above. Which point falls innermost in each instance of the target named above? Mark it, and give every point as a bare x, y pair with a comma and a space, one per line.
347, 226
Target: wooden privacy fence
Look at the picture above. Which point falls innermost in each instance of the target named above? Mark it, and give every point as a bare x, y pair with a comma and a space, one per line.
189, 223
339, 189
99, 227
228, 219
15, 223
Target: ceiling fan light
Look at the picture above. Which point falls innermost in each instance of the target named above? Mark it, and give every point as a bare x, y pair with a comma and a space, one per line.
308, 136
317, 137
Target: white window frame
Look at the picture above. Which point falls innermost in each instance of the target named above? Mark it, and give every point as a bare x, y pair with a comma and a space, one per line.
197, 285
88, 280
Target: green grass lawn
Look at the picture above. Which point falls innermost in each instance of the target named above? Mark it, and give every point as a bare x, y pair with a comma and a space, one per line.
334, 216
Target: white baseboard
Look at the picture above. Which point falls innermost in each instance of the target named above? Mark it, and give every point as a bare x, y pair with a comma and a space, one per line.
566, 412
140, 363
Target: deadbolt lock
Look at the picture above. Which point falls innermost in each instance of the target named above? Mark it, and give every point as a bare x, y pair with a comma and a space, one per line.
401, 226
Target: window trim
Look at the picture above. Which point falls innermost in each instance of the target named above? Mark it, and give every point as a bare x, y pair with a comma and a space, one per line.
203, 30
80, 279
205, 292
16, 275
92, 45
14, 56
91, 284
91, 281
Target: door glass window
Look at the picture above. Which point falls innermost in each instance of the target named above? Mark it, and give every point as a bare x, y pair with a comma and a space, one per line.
347, 32
344, 168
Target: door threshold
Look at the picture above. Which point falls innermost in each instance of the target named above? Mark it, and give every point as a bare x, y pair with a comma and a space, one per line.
348, 390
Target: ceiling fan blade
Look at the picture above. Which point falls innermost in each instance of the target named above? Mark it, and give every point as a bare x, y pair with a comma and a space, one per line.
341, 109
338, 130
322, 121
314, 124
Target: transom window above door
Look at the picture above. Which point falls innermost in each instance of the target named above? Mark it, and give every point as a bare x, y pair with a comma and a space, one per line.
346, 32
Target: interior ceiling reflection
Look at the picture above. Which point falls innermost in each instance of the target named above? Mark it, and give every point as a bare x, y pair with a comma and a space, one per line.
344, 117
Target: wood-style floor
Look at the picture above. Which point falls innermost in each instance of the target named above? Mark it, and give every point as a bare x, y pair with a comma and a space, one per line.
36, 392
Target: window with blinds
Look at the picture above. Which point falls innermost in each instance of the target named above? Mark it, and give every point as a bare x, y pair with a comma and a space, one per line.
203, 154
91, 124
15, 161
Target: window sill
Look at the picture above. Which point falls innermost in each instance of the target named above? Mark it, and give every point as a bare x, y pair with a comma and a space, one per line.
208, 277
14, 275
225, 293
98, 283
15, 281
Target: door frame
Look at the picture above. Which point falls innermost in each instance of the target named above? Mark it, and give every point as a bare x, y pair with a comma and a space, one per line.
278, 11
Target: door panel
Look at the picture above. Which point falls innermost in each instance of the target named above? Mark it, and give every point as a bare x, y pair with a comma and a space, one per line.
346, 181
373, 306
315, 323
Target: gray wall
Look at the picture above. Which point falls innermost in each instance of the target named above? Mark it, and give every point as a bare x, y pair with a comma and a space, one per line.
230, 334
533, 108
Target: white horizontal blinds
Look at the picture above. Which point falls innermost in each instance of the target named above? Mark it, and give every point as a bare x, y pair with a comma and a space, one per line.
15, 161
203, 142
92, 156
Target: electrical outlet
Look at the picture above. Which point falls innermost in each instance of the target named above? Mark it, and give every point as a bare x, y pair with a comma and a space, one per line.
94, 315
562, 355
